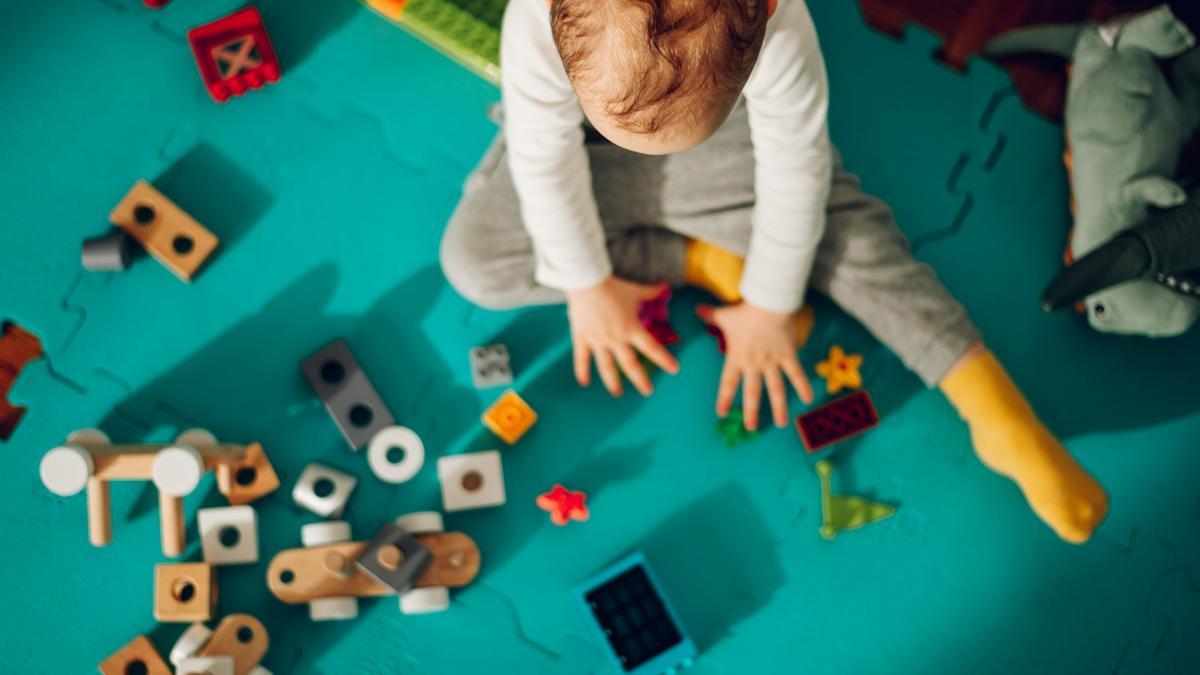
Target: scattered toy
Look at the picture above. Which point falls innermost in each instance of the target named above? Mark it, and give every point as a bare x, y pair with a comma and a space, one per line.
509, 417
90, 460
839, 512
732, 429
467, 31
325, 571
241, 638
184, 592
347, 392
234, 54
717, 333
564, 505
633, 616
655, 317
107, 253
18, 347
155, 4
472, 480
837, 420
840, 370
490, 367
394, 558
136, 656
323, 490
228, 535
173, 237
392, 440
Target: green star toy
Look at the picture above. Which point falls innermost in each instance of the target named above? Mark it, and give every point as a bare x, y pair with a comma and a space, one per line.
732, 429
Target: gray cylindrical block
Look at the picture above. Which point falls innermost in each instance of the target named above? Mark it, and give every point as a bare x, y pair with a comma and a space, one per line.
109, 253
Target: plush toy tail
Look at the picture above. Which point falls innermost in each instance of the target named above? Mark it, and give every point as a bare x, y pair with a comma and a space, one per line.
1056, 39
1167, 243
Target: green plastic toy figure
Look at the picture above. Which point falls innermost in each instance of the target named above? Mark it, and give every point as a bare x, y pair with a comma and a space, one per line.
1127, 123
839, 512
733, 431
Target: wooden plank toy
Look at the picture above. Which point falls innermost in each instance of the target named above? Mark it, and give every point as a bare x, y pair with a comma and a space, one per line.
325, 569
173, 237
90, 460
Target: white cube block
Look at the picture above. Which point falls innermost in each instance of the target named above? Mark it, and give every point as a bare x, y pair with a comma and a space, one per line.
471, 481
206, 665
228, 535
323, 490
190, 643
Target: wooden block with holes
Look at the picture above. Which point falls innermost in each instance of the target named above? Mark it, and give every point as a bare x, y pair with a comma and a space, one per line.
242, 637
249, 478
173, 237
137, 656
184, 592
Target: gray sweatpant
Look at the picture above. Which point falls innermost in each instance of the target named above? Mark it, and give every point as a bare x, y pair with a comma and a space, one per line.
651, 205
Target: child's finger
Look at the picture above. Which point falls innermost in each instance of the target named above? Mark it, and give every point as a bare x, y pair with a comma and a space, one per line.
634, 370
656, 352
778, 396
751, 398
583, 364
608, 371
727, 389
799, 380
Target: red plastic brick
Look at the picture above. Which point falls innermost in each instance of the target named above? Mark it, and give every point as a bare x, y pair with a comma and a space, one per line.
234, 54
655, 317
564, 505
837, 420
155, 4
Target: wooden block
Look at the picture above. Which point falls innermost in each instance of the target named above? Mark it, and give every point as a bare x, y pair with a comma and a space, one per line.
249, 478
184, 592
301, 575
509, 417
242, 637
173, 237
137, 656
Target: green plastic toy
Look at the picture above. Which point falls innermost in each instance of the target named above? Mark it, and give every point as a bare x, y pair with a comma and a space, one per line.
467, 31
732, 429
1127, 123
839, 512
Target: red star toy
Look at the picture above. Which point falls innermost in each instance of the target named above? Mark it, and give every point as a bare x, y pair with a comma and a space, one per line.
564, 505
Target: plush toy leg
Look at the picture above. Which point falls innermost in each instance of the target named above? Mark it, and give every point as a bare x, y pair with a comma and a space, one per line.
1010, 440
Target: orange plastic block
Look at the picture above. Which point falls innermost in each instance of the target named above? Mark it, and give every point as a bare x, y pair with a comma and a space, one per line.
509, 417
564, 505
165, 230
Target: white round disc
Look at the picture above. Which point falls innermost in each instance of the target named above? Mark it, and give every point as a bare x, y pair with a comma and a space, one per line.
65, 470
197, 438
425, 600
421, 522
92, 439
329, 532
333, 609
395, 437
190, 643
177, 470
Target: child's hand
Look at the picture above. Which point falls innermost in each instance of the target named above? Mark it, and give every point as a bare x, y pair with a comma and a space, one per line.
605, 327
760, 346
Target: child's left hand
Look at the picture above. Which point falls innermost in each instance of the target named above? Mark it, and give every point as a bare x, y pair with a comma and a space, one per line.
760, 347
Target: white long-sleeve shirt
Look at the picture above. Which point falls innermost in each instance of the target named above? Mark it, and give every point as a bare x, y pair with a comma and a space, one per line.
787, 98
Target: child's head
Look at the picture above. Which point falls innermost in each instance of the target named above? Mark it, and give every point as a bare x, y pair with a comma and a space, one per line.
658, 76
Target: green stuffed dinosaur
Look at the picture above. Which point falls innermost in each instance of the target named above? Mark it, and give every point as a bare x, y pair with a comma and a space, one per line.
1127, 123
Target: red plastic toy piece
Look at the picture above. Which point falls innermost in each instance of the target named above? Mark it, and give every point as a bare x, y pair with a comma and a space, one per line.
564, 505
17, 348
234, 54
837, 420
718, 334
655, 317
155, 4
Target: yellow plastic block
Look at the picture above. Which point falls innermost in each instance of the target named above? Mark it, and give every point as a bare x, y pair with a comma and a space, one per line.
509, 417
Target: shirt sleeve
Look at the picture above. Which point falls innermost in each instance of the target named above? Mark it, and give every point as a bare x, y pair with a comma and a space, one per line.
787, 98
549, 165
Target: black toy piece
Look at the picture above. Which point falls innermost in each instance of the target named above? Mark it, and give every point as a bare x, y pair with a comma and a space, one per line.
1164, 248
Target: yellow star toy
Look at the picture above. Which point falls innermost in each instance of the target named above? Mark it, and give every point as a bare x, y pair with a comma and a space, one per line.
840, 370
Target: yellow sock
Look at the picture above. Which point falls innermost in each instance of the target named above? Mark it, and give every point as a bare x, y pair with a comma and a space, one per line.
1010, 440
714, 269
719, 272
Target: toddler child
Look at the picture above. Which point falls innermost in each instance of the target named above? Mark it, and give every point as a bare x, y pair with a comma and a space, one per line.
686, 142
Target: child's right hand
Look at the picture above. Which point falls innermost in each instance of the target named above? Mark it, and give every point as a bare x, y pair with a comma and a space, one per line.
605, 327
